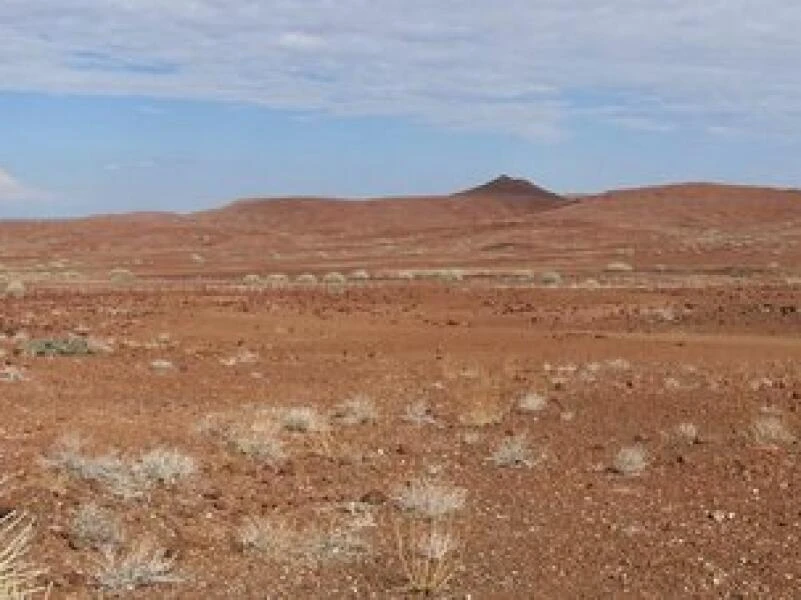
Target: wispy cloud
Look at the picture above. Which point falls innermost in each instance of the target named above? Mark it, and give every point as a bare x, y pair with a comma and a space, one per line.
536, 68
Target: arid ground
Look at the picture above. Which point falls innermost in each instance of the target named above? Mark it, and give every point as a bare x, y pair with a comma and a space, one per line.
498, 394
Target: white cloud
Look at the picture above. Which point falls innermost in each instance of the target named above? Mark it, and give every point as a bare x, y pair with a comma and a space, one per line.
537, 68
12, 191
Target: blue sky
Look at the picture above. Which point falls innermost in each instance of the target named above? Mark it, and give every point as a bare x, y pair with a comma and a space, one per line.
113, 105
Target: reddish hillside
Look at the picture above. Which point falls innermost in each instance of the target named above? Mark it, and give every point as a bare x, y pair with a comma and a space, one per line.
691, 205
505, 222
501, 200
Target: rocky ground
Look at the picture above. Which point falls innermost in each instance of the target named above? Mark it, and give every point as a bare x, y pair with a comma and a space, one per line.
377, 439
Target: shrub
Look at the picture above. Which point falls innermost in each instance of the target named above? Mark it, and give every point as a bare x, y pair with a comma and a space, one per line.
618, 267
334, 278
687, 432
96, 528
263, 445
15, 289
513, 452
70, 346
119, 275
419, 413
274, 538
303, 419
108, 470
359, 275
144, 565
276, 279
428, 556
449, 275
251, 279
429, 499
127, 479
630, 461
550, 278
771, 430
426, 545
306, 279
359, 410
532, 402
165, 466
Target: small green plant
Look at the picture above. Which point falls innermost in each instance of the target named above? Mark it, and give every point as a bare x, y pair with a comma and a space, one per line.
70, 346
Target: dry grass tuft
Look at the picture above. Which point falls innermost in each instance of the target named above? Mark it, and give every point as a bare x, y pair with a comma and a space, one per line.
96, 528
145, 564
165, 466
17, 578
428, 555
419, 413
429, 499
303, 419
514, 451
532, 402
274, 538
125, 478
359, 410
771, 430
630, 461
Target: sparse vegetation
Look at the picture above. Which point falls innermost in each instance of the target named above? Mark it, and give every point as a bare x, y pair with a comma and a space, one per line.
120, 275
426, 543
419, 413
274, 538
771, 430
532, 402
513, 451
358, 410
96, 528
127, 479
428, 555
15, 289
618, 267
630, 461
70, 346
303, 419
428, 498
687, 432
550, 278
165, 466
17, 577
270, 536
334, 279
145, 564
359, 275
276, 280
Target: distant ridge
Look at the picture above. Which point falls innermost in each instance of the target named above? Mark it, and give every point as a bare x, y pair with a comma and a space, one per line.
512, 188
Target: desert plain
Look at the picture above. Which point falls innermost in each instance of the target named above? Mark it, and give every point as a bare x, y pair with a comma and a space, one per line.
502, 393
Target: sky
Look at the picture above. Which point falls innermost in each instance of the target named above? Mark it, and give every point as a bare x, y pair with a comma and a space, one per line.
121, 105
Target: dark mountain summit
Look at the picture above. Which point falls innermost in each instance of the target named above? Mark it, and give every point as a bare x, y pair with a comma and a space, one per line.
512, 188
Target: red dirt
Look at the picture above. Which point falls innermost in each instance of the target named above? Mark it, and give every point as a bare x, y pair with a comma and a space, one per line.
710, 339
